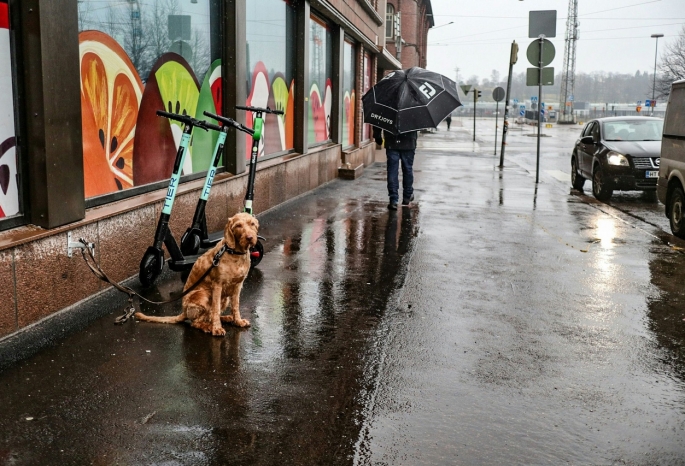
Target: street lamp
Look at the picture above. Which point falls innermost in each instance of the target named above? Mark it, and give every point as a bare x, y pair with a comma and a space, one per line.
656, 36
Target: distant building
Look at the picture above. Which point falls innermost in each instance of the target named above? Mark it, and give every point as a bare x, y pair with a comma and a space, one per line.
406, 30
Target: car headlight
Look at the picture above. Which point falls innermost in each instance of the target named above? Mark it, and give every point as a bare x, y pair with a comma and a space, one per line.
614, 158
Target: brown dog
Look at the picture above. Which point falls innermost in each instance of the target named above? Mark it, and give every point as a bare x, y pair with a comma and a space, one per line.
203, 306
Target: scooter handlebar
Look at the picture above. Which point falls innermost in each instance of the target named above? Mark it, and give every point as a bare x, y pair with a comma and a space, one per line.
259, 109
230, 122
186, 120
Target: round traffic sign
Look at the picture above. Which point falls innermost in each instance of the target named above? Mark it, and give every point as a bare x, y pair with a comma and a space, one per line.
498, 94
533, 52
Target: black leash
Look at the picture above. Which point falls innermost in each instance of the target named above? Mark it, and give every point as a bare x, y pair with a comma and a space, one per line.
130, 309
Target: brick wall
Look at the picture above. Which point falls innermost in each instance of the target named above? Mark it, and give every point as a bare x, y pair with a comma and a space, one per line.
415, 27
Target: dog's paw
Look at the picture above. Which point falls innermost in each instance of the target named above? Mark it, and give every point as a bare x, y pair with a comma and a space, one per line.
218, 332
227, 319
242, 323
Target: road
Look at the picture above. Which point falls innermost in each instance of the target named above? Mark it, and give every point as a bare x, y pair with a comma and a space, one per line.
492, 322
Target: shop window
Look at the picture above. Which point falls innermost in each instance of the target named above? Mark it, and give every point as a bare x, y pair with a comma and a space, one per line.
349, 95
10, 205
366, 85
270, 71
321, 81
137, 57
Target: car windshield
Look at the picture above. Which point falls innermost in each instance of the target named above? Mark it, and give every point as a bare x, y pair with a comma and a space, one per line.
633, 130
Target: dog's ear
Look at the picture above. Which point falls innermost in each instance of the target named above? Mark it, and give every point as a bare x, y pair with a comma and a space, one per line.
229, 238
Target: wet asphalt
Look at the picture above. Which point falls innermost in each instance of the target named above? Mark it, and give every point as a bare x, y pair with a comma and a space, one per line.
492, 322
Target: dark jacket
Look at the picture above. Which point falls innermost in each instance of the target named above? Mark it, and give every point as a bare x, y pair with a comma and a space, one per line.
404, 141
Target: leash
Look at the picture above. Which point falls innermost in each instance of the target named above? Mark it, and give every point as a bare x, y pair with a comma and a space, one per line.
130, 309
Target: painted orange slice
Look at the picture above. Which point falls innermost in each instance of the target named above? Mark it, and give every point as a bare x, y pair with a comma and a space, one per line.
110, 96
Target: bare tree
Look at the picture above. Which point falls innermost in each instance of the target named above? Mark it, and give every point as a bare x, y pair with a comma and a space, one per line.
672, 66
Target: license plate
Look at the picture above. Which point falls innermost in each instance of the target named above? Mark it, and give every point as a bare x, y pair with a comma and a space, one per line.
652, 174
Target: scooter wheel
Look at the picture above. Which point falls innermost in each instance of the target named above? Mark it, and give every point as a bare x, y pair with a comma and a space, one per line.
151, 266
256, 254
190, 244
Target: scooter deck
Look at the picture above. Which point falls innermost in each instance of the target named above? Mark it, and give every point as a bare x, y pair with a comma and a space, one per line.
183, 264
212, 239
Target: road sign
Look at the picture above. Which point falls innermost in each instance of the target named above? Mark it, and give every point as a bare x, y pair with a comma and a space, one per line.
522, 112
638, 108
534, 99
639, 102
570, 98
533, 76
522, 107
516, 101
542, 112
648, 103
498, 94
533, 52
542, 22
542, 105
653, 103
466, 88
549, 107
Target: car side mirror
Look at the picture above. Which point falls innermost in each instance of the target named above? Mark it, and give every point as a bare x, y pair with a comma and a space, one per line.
587, 140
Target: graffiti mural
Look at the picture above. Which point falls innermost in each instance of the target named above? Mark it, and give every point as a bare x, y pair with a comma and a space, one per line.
157, 59
9, 189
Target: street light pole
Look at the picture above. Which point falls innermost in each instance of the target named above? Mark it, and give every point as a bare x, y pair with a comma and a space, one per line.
656, 48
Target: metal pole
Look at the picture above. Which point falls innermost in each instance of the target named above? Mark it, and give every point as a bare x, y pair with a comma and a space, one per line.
474, 114
656, 48
537, 164
506, 108
496, 115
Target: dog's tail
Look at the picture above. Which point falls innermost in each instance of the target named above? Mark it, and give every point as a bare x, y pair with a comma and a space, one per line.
163, 320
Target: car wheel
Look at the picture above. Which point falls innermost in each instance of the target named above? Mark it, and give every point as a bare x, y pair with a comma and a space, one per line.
676, 206
577, 181
600, 188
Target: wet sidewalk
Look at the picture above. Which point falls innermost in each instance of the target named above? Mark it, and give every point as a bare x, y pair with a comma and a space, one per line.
482, 325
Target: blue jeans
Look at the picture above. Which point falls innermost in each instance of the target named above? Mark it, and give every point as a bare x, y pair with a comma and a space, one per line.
394, 158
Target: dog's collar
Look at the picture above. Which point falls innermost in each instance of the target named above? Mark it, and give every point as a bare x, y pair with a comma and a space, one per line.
226, 250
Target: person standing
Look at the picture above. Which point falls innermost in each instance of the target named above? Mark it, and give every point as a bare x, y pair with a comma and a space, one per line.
398, 149
448, 120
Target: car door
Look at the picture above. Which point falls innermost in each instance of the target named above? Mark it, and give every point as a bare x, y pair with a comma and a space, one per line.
593, 148
583, 163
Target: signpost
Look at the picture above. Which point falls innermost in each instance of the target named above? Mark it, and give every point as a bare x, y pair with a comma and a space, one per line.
540, 53
497, 96
513, 58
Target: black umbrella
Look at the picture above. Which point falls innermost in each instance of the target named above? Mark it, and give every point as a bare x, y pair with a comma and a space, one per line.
410, 100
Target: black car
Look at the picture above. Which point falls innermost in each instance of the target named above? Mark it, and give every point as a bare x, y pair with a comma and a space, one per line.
618, 153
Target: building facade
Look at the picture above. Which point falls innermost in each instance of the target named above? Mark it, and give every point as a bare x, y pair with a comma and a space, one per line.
406, 30
83, 153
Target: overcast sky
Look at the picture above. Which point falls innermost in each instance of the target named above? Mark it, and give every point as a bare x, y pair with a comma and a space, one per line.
614, 34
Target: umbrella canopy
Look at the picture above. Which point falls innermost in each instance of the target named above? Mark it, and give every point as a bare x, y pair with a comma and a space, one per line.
410, 100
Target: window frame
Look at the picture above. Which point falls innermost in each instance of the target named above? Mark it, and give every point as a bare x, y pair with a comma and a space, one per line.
350, 40
390, 21
104, 199
16, 62
313, 16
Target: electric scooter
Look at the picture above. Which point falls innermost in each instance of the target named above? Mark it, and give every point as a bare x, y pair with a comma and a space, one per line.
196, 236
153, 261
257, 252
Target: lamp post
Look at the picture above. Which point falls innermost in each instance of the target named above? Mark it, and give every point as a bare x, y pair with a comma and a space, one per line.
656, 36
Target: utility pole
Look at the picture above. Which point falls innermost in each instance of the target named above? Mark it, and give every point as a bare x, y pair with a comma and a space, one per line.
513, 58
540, 108
656, 50
568, 79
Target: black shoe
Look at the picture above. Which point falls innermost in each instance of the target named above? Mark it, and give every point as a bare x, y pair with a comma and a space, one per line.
405, 202
392, 206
